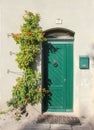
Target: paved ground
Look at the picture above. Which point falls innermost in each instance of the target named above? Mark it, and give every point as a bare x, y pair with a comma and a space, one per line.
8, 122
57, 127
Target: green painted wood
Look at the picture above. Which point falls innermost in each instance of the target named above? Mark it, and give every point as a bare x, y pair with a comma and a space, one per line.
69, 96
58, 76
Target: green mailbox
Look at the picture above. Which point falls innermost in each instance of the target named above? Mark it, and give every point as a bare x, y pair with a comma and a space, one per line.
84, 62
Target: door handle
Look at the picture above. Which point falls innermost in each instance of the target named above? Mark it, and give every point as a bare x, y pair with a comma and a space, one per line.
65, 80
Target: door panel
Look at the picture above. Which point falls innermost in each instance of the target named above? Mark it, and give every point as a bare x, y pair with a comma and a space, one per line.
69, 102
55, 76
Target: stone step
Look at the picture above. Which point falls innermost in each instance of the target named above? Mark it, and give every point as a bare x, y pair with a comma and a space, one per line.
58, 119
60, 127
37, 127
47, 127
82, 127
56, 127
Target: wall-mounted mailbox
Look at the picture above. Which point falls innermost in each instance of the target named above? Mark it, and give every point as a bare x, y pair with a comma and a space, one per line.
84, 62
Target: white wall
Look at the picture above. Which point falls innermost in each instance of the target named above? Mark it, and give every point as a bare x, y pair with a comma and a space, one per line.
77, 16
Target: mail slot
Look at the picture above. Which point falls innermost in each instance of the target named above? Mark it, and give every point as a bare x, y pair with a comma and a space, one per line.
84, 62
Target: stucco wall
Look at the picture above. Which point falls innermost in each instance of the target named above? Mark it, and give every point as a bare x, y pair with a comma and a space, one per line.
76, 15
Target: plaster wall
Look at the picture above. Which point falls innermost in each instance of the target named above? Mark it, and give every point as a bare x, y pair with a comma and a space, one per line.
76, 15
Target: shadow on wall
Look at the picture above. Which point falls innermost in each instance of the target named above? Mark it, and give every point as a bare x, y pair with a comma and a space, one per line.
84, 109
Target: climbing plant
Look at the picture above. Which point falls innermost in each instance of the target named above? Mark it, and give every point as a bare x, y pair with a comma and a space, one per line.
29, 39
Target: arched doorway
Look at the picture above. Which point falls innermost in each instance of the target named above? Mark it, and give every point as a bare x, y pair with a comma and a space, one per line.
57, 70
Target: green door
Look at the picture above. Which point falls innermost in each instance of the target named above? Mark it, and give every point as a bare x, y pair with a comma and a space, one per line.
58, 76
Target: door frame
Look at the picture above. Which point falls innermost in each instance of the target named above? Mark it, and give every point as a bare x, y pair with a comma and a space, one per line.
71, 39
